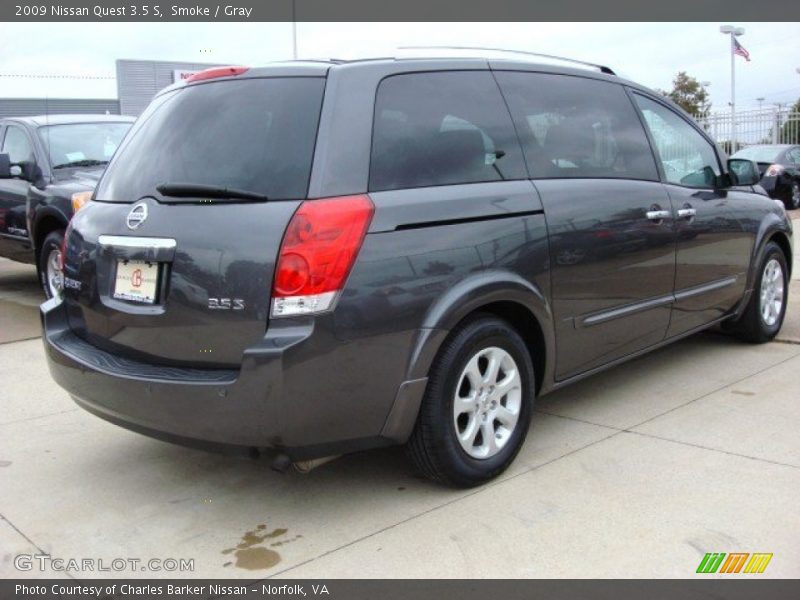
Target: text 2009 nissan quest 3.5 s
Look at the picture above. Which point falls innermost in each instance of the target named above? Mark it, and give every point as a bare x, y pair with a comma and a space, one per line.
317, 258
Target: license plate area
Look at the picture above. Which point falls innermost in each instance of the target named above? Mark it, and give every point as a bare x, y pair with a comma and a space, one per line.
137, 281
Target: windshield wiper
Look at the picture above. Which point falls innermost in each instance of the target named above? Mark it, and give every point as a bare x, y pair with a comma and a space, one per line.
196, 190
86, 162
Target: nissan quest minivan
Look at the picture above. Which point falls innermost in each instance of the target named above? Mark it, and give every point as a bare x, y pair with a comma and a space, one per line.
322, 257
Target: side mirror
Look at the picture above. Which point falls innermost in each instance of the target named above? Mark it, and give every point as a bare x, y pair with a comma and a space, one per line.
5, 167
743, 172
29, 171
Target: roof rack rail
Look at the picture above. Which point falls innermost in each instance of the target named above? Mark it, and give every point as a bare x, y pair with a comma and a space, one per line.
601, 68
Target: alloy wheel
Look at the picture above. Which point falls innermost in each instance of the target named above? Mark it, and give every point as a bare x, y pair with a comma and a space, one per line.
772, 292
54, 277
487, 402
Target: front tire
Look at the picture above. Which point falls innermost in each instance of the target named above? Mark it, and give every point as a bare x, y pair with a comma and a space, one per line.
763, 317
49, 264
477, 406
793, 202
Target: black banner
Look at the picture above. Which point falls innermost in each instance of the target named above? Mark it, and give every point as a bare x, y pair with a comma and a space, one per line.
341, 589
408, 10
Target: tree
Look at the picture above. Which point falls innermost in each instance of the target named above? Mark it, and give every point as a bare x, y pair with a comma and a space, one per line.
689, 95
790, 131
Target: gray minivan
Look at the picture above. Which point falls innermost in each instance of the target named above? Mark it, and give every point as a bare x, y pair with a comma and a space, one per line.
322, 257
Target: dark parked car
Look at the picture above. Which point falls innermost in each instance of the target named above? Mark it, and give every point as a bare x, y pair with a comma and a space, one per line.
49, 166
779, 166
317, 258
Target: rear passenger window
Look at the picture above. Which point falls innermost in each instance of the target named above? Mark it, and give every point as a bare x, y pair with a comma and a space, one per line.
577, 127
440, 129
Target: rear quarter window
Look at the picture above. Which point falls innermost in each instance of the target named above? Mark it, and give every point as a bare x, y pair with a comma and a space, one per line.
442, 129
252, 134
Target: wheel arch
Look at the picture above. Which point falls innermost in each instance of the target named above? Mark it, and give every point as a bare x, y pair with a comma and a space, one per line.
503, 294
48, 219
771, 230
782, 239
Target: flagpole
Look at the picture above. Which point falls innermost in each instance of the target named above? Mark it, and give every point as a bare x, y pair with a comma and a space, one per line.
733, 32
294, 31
733, 93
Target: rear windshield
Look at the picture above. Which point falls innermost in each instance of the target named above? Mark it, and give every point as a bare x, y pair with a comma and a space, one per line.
253, 134
759, 153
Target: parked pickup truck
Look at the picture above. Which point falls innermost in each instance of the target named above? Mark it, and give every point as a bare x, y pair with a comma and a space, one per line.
49, 167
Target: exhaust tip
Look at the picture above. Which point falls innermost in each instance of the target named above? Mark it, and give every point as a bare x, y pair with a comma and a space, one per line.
306, 466
281, 463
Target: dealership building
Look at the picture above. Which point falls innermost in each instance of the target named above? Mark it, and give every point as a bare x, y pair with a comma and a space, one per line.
137, 82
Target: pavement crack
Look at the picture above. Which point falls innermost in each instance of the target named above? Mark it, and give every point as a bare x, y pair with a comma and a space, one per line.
26, 419
480, 490
27, 339
721, 451
714, 391
19, 531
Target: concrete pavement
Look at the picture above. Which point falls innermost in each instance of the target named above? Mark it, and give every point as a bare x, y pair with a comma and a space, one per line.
637, 472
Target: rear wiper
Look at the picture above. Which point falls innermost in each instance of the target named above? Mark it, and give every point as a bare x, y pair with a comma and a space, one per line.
196, 190
86, 162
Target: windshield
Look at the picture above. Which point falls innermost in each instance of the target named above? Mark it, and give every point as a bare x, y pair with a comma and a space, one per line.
82, 144
765, 154
254, 135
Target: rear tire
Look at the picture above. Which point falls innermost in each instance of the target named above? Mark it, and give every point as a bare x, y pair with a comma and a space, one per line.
477, 406
763, 317
49, 264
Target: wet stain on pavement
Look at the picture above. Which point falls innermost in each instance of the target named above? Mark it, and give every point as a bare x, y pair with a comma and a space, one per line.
743, 393
5, 463
251, 553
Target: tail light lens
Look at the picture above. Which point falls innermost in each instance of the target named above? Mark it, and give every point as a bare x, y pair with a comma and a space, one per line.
318, 250
774, 170
62, 256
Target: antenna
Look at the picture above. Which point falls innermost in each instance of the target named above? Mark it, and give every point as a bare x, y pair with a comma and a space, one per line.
601, 68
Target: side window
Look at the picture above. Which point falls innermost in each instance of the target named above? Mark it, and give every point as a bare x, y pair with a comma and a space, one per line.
794, 156
686, 156
442, 129
577, 127
17, 145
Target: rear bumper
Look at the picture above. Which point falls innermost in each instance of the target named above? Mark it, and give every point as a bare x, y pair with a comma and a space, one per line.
276, 400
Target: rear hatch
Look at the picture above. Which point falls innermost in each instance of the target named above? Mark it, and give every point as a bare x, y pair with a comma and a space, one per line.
174, 260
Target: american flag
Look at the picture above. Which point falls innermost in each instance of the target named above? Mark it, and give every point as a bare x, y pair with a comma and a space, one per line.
739, 49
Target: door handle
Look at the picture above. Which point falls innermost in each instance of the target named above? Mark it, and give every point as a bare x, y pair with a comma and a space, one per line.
686, 213
658, 215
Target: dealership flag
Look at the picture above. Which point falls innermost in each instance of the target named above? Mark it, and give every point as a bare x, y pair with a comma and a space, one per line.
739, 49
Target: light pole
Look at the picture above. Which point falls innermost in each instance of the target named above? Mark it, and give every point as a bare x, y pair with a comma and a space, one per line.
294, 31
733, 32
760, 103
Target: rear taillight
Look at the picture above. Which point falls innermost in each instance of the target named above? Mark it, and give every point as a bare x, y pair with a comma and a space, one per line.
319, 248
774, 170
215, 72
62, 255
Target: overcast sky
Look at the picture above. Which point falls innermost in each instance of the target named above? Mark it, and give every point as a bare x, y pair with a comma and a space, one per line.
649, 53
